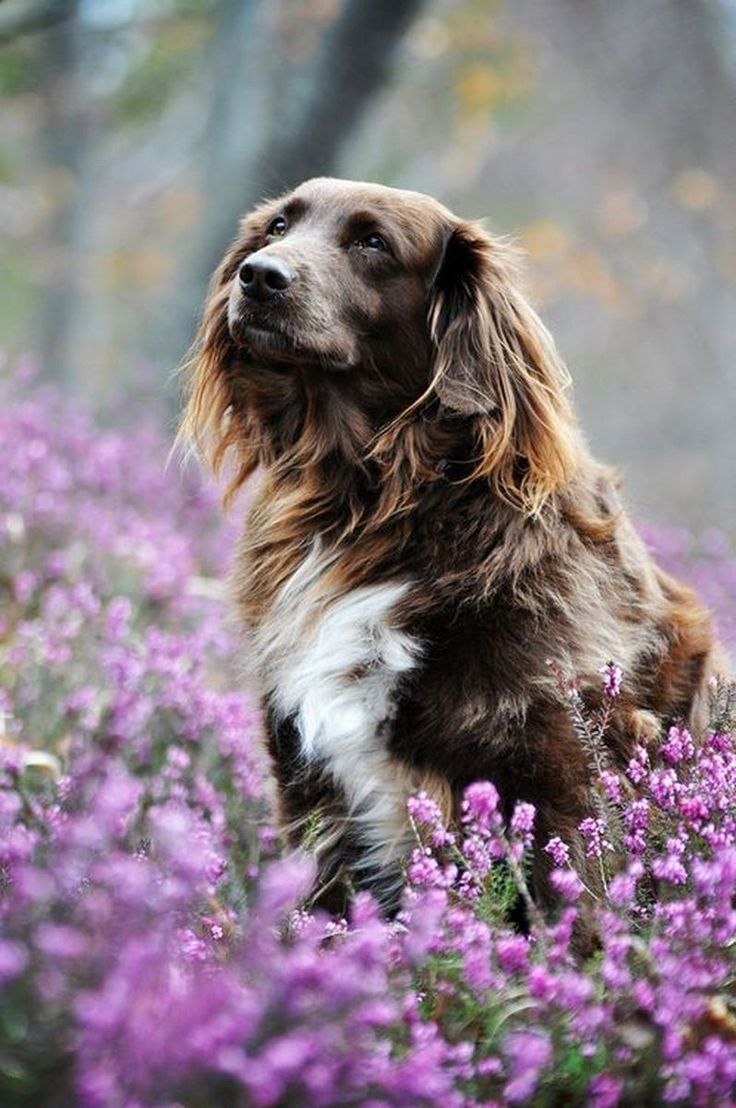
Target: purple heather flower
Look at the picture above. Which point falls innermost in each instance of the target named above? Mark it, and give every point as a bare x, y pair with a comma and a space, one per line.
566, 882
612, 785
426, 812
678, 746
664, 787
424, 809
637, 767
594, 831
558, 851
522, 822
529, 1052
150, 943
669, 867
622, 887
481, 805
605, 1091
512, 952
612, 676
13, 959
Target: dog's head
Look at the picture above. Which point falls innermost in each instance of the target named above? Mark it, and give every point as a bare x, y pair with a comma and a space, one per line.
374, 317
335, 275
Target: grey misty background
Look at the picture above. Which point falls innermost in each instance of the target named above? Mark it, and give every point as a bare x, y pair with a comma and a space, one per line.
602, 135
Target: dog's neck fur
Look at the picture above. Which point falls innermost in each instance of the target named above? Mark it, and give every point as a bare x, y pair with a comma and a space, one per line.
322, 425
321, 480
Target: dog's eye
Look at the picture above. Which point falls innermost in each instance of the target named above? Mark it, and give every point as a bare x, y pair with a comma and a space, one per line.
374, 242
277, 226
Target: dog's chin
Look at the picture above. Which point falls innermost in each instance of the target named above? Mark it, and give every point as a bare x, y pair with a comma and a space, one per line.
266, 343
276, 346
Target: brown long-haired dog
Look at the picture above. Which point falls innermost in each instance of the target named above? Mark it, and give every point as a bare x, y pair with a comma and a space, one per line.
429, 529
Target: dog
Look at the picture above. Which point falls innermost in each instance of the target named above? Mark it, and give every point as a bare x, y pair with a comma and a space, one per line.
427, 532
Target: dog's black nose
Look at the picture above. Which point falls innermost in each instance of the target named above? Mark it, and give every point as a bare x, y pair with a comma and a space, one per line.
261, 278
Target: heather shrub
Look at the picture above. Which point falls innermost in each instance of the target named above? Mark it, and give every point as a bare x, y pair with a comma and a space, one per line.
156, 951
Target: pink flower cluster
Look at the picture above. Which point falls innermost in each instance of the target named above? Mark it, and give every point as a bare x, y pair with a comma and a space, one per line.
153, 950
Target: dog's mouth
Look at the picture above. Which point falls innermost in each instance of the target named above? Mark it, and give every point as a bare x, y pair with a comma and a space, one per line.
262, 337
272, 341
264, 340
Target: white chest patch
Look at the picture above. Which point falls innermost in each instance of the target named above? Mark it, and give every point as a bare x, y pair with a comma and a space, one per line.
334, 666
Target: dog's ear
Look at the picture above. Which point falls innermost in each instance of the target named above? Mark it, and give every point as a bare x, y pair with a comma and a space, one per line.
494, 360
208, 422
461, 323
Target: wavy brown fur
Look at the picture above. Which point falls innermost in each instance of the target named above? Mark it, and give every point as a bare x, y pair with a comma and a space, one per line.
411, 412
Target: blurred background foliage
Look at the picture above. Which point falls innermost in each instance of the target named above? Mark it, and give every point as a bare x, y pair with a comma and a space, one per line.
603, 135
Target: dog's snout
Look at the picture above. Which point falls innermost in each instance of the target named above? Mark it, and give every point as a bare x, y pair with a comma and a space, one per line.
262, 277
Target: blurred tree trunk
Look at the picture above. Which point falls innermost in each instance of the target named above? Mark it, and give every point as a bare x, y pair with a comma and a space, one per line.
272, 125
66, 142
35, 19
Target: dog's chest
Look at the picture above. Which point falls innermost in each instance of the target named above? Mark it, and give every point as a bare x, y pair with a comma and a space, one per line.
334, 666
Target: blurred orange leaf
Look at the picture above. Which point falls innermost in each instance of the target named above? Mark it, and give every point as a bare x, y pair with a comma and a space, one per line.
695, 189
